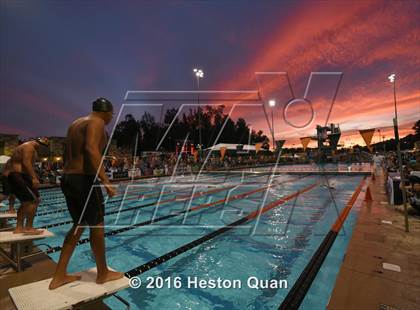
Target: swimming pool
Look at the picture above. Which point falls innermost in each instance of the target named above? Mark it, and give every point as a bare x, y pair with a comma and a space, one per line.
275, 246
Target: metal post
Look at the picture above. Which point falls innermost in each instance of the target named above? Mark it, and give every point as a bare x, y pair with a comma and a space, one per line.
18, 258
383, 141
397, 141
272, 128
199, 116
380, 137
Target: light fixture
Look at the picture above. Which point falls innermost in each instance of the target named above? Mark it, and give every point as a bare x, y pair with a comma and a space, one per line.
198, 73
391, 78
272, 103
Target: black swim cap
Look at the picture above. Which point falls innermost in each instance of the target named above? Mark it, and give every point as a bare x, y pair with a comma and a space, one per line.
102, 105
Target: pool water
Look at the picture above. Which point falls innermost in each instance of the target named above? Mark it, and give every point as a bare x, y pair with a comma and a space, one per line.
277, 245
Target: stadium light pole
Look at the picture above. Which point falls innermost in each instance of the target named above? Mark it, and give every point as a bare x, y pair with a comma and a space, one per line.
272, 104
199, 74
392, 79
383, 141
382, 138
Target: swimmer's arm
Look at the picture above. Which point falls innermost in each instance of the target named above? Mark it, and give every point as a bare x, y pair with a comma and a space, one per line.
27, 161
94, 133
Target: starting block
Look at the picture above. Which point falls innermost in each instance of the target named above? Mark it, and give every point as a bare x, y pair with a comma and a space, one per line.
16, 241
8, 215
77, 294
4, 216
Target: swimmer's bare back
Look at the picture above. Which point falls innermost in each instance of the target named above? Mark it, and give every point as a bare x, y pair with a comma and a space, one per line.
85, 136
24, 152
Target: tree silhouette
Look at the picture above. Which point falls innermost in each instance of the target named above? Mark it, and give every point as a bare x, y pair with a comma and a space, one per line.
212, 120
126, 131
416, 128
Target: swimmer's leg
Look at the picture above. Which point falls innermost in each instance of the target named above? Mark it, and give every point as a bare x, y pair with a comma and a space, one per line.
12, 199
20, 219
97, 243
30, 211
60, 276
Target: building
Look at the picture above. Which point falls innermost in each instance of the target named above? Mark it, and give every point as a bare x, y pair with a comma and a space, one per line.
56, 147
55, 150
8, 142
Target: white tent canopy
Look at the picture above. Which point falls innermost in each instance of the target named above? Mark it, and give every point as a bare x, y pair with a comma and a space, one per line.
231, 147
4, 159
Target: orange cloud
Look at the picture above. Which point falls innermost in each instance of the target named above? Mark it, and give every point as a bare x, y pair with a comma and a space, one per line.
364, 40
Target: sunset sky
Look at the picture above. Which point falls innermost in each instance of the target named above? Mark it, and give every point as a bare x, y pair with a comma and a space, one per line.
57, 56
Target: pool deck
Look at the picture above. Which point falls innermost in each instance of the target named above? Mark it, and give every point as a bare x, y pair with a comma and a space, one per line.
362, 282
42, 267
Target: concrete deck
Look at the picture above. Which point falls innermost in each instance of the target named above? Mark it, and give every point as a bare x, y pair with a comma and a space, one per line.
41, 268
362, 282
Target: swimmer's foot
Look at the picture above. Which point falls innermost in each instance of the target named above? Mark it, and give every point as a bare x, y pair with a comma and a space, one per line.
19, 230
33, 231
60, 281
109, 276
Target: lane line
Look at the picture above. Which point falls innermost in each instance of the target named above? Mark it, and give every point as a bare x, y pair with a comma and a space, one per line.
298, 292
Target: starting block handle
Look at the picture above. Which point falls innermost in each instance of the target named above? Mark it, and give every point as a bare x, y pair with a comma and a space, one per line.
88, 304
125, 302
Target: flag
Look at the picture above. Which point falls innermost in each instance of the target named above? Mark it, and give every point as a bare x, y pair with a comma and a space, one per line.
279, 144
367, 135
305, 141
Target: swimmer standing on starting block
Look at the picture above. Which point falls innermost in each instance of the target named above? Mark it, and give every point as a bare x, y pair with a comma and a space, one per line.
24, 183
86, 138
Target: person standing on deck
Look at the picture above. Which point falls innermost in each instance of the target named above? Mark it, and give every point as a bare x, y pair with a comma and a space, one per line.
86, 138
24, 183
377, 161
